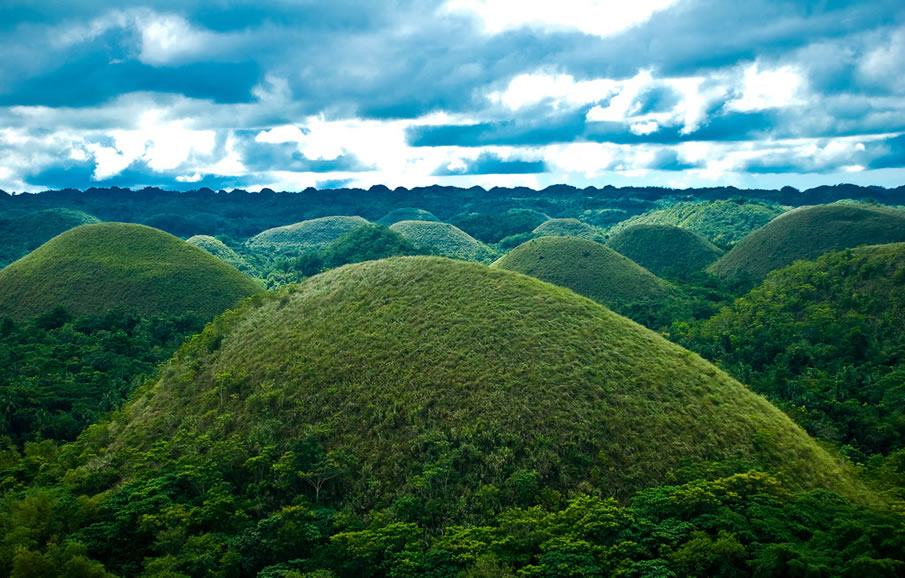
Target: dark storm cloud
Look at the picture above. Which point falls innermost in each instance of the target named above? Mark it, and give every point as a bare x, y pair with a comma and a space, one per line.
492, 164
136, 176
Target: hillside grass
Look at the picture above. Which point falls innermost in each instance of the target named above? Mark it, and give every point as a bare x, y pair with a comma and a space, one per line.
599, 273
723, 222
94, 268
21, 233
807, 233
436, 379
222, 251
665, 250
568, 228
443, 239
406, 214
306, 235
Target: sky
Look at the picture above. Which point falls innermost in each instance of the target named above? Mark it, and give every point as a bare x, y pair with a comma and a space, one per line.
230, 94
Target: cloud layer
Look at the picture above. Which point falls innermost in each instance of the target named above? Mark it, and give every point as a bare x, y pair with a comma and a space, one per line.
461, 92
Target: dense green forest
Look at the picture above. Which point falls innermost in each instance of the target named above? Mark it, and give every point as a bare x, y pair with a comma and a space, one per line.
387, 408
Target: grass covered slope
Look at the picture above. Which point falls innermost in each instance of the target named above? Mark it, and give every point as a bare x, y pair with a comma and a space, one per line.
592, 270
423, 376
722, 222
567, 228
665, 250
94, 268
220, 250
311, 234
807, 233
20, 234
406, 214
825, 340
443, 239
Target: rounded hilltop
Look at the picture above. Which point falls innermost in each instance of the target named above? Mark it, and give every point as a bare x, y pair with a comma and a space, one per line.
406, 214
665, 250
220, 250
443, 239
94, 268
306, 235
567, 228
22, 233
806, 233
390, 370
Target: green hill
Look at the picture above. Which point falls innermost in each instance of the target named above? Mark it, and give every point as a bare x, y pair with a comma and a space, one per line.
824, 339
567, 228
419, 379
222, 251
597, 272
807, 233
492, 227
299, 237
443, 239
20, 234
406, 214
93, 268
665, 250
722, 222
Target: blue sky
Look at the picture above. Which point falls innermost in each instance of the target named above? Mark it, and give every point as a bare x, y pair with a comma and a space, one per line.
230, 94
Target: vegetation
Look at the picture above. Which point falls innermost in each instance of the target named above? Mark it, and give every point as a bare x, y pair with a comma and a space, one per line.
20, 234
492, 227
723, 222
58, 375
824, 340
94, 268
304, 236
222, 251
406, 214
599, 273
664, 250
443, 239
807, 233
568, 228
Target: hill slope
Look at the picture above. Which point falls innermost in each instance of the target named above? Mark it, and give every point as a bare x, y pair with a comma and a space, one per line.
406, 214
664, 249
431, 378
23, 233
93, 268
595, 271
311, 234
807, 233
722, 222
443, 239
567, 228
824, 338
221, 250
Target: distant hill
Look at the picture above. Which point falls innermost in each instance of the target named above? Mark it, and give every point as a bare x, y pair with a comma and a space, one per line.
421, 380
406, 214
312, 234
21, 233
807, 233
222, 251
824, 338
492, 227
567, 228
723, 222
597, 272
443, 239
94, 268
665, 250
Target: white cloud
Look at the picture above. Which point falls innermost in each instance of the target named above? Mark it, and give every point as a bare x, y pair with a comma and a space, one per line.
595, 17
765, 89
625, 104
529, 89
166, 38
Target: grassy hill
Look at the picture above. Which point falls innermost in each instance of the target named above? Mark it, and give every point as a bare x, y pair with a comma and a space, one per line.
422, 378
222, 251
406, 214
443, 239
722, 222
93, 268
567, 228
597, 272
665, 250
492, 227
807, 233
22, 233
824, 338
307, 235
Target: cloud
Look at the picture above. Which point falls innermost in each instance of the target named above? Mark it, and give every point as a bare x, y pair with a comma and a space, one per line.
488, 163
